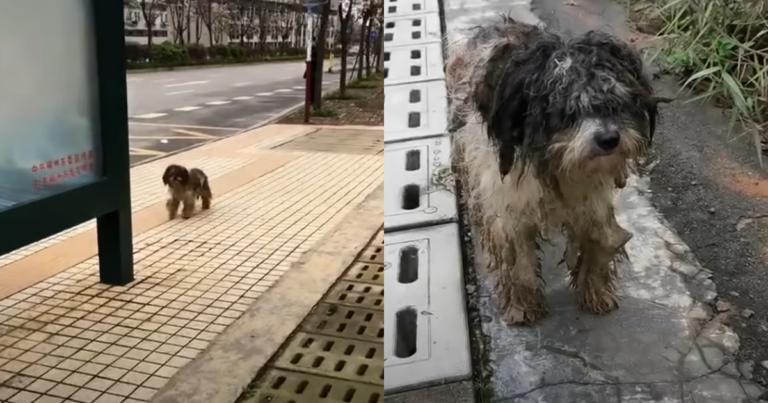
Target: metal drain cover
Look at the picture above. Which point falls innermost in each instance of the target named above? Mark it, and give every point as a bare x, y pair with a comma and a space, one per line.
339, 141
337, 356
278, 386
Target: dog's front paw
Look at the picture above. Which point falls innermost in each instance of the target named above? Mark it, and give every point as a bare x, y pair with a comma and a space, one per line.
598, 302
518, 316
525, 307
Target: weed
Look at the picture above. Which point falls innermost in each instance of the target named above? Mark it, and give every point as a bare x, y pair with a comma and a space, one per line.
721, 48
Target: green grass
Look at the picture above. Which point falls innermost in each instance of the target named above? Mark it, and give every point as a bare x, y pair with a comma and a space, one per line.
336, 95
720, 48
324, 113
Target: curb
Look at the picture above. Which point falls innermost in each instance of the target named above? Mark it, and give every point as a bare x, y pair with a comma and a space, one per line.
208, 66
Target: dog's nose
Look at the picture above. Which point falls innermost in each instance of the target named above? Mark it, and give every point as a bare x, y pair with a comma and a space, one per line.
607, 139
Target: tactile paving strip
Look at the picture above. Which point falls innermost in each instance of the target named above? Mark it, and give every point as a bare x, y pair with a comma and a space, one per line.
337, 356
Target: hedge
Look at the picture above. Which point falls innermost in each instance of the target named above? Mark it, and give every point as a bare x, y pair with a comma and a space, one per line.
167, 54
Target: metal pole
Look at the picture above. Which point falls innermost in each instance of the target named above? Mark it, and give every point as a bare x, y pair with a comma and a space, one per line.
308, 83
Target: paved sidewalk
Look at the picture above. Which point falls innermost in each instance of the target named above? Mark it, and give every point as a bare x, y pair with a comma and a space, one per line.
64, 337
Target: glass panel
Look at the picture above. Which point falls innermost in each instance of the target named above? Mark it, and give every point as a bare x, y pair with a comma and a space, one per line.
48, 99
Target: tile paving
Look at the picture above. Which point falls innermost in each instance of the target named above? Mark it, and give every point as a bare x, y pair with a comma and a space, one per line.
71, 339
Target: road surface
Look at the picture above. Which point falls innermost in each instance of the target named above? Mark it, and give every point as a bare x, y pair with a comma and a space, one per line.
172, 110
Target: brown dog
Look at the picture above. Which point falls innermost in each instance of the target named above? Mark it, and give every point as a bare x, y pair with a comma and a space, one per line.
184, 187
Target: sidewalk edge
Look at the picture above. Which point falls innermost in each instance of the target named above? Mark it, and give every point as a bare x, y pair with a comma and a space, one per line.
222, 372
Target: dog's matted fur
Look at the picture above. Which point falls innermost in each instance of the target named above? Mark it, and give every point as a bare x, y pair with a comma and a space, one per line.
184, 187
546, 129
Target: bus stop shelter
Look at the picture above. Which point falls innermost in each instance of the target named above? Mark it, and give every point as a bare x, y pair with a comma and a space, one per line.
64, 156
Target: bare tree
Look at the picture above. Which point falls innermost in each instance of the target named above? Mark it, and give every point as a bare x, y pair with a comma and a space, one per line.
286, 22
205, 11
345, 34
263, 24
241, 18
364, 34
198, 21
179, 12
151, 11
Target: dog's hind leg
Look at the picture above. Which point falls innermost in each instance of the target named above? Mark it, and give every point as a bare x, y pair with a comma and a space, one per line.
593, 270
172, 205
519, 286
188, 207
205, 198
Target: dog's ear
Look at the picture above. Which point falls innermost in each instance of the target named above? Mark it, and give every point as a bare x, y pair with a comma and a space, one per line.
167, 174
507, 101
183, 174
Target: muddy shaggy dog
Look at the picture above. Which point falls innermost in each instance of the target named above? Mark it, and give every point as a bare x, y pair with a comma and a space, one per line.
184, 187
546, 129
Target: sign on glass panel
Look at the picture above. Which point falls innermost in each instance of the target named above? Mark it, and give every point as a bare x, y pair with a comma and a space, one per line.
48, 99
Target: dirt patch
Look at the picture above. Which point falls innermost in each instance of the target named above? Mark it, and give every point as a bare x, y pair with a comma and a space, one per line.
739, 179
365, 107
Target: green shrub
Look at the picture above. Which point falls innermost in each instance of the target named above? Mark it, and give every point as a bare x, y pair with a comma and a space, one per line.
197, 51
219, 52
169, 54
237, 52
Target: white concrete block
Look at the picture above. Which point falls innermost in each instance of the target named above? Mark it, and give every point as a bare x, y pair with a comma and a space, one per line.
412, 30
415, 111
426, 338
413, 64
414, 192
399, 8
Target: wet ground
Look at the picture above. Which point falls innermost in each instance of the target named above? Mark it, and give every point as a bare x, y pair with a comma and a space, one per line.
698, 275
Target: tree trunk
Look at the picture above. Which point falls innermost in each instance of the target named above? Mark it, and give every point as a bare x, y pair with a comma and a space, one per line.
368, 48
361, 49
380, 59
317, 77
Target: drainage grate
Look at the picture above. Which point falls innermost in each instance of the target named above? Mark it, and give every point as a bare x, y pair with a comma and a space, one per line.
343, 321
366, 273
339, 141
337, 356
373, 254
358, 295
295, 387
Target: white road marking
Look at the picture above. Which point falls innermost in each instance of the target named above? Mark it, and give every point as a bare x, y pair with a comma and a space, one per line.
188, 108
264, 94
218, 102
299, 88
129, 79
242, 98
188, 83
165, 80
179, 92
243, 84
284, 90
150, 115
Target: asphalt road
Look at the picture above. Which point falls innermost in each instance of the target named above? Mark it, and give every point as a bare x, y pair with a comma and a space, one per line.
172, 110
